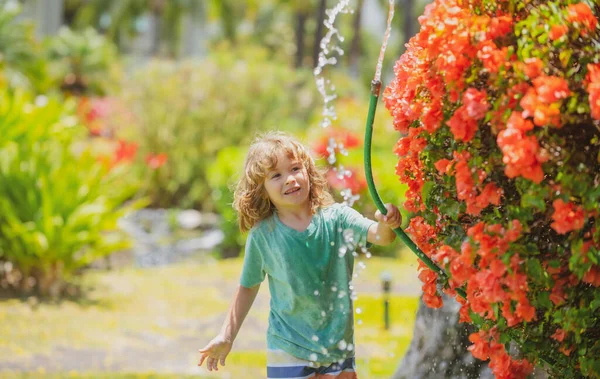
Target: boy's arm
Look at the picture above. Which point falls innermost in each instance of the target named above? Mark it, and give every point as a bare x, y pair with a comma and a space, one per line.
217, 350
383, 233
242, 302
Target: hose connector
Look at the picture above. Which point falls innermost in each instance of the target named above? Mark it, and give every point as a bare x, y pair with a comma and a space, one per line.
375, 87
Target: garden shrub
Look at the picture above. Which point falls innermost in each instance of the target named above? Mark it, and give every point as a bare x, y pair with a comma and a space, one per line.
499, 106
81, 61
191, 110
222, 178
58, 203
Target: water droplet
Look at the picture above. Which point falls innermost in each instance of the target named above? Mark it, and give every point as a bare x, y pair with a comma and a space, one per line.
358, 311
313, 357
316, 292
342, 345
315, 338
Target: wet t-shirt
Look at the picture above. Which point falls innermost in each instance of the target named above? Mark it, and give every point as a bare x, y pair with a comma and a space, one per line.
310, 274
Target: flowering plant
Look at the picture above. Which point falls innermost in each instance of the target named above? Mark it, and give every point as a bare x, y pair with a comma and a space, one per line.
499, 106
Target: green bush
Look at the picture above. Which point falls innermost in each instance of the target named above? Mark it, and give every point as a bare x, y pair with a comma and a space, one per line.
21, 63
57, 205
81, 61
222, 177
191, 110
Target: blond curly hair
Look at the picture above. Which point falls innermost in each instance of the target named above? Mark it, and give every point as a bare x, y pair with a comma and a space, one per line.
250, 198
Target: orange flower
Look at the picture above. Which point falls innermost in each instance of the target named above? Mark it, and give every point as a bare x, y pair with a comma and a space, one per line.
475, 103
155, 161
517, 121
533, 67
442, 165
492, 57
499, 27
343, 139
125, 151
544, 100
592, 276
557, 31
481, 347
559, 335
567, 217
593, 89
582, 14
462, 128
551, 89
521, 155
351, 180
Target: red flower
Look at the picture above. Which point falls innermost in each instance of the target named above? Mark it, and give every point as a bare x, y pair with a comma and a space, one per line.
475, 103
592, 276
462, 128
156, 161
499, 27
567, 217
559, 335
557, 31
125, 151
492, 57
593, 89
442, 166
525, 310
533, 67
351, 180
582, 14
517, 121
551, 89
521, 154
481, 347
343, 139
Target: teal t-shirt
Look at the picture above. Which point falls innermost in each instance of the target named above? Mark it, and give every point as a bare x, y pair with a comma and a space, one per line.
310, 274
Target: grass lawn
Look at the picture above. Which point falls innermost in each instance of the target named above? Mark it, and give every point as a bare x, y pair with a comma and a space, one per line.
149, 323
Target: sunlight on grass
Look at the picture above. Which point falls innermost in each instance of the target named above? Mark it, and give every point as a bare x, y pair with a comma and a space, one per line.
139, 308
378, 350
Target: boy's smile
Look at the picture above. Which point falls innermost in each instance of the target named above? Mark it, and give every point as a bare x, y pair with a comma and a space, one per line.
287, 185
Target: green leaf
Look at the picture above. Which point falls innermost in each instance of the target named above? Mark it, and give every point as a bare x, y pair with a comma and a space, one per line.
450, 208
535, 270
427, 187
532, 201
543, 299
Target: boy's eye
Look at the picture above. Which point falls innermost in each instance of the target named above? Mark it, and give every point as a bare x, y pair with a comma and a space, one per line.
296, 168
275, 176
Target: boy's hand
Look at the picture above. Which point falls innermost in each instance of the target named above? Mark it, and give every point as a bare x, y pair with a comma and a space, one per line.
215, 351
393, 218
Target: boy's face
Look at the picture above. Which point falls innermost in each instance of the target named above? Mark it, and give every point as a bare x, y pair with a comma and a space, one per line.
287, 185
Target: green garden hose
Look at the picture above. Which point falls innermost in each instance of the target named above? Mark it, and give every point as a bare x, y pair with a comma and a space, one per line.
375, 89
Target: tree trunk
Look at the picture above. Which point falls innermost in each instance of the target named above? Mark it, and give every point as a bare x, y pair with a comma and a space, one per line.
355, 44
226, 10
156, 33
409, 22
439, 347
300, 33
319, 31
